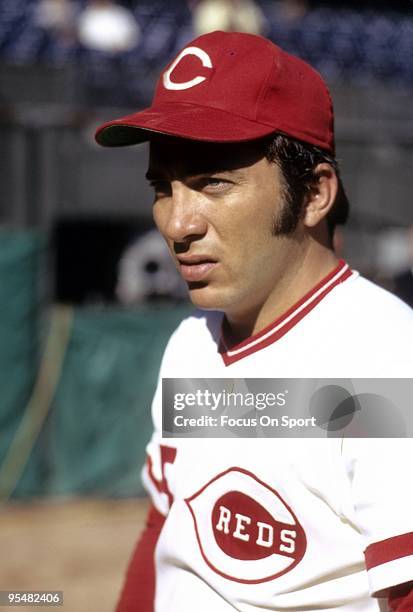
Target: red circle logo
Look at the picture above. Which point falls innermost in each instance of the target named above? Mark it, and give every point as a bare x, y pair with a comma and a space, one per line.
245, 530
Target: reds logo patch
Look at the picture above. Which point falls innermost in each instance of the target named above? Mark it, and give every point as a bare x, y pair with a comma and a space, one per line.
245, 530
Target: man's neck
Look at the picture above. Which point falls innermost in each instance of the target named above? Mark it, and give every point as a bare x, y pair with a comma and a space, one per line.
301, 276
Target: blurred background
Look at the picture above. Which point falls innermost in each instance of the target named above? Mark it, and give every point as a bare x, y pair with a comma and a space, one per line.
88, 297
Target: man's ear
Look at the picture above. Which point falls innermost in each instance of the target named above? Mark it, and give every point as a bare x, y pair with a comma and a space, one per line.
321, 194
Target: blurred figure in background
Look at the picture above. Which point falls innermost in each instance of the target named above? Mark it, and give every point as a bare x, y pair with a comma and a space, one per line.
106, 26
146, 271
228, 15
108, 33
58, 17
292, 10
403, 282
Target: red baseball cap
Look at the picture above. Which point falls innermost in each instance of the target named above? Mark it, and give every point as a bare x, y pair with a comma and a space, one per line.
231, 87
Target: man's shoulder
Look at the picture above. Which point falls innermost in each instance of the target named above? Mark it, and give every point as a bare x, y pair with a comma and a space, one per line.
374, 327
372, 303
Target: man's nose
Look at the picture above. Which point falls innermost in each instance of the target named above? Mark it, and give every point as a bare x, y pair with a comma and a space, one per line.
185, 221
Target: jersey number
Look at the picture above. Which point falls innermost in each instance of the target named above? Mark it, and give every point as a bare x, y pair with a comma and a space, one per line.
168, 455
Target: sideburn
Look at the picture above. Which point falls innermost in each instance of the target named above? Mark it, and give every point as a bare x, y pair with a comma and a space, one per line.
286, 220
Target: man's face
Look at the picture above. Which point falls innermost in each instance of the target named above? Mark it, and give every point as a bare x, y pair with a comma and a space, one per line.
219, 208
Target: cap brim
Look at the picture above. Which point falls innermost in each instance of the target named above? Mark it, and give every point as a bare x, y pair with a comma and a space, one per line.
182, 121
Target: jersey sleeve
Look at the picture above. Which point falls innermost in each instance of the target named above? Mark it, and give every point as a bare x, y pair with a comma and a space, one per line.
381, 507
138, 592
154, 470
160, 454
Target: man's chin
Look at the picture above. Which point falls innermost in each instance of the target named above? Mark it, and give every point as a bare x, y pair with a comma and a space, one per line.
203, 296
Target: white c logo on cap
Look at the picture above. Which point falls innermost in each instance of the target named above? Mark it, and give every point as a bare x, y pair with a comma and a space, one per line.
206, 62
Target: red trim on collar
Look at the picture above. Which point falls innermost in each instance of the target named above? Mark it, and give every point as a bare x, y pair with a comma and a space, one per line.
289, 319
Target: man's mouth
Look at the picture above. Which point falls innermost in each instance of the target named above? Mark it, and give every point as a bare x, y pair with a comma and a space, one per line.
195, 268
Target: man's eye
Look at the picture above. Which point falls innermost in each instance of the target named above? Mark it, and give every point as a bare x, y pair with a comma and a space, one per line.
214, 184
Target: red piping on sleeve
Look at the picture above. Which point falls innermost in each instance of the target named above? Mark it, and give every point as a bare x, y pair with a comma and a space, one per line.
138, 592
389, 550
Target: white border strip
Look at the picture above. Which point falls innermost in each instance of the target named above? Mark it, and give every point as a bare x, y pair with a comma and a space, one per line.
391, 573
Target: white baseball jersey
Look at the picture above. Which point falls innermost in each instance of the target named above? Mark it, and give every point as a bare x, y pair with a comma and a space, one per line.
287, 524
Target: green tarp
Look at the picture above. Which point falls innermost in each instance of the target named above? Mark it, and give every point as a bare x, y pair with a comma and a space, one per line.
78, 420
100, 421
21, 258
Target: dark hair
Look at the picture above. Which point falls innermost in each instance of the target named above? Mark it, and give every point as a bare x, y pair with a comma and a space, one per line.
297, 161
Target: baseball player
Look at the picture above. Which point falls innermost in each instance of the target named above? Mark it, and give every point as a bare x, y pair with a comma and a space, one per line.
247, 195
